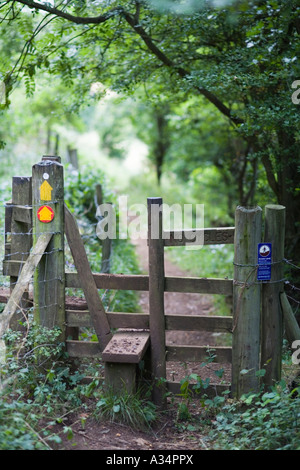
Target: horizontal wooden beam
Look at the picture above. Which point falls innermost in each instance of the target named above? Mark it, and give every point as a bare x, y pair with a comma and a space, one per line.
112, 281
174, 353
81, 318
141, 283
22, 214
198, 285
12, 267
83, 348
214, 323
198, 353
211, 391
206, 236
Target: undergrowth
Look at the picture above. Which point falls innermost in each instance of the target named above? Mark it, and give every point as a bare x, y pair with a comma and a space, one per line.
40, 388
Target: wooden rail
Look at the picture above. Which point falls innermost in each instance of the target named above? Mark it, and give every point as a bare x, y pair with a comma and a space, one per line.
206, 236
212, 323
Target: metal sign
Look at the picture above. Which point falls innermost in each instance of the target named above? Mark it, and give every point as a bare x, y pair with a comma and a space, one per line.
45, 214
264, 260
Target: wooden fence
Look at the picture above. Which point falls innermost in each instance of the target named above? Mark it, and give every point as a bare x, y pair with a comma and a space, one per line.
256, 338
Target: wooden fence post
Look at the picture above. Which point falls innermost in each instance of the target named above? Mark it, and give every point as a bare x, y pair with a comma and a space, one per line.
48, 217
272, 318
246, 302
156, 300
21, 238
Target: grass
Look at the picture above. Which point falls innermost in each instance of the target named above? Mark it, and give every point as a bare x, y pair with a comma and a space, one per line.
131, 409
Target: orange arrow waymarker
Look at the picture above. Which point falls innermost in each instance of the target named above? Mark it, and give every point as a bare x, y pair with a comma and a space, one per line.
45, 214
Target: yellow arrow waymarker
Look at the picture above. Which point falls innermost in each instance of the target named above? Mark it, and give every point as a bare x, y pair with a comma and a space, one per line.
45, 191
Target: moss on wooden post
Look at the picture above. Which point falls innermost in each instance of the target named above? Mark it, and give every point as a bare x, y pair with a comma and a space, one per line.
246, 302
48, 217
21, 239
272, 318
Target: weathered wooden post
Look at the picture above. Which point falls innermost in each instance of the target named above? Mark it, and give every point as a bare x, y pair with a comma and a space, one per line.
246, 301
272, 318
21, 238
156, 300
48, 217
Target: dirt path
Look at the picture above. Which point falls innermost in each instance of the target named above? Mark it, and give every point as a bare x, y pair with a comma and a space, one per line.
177, 302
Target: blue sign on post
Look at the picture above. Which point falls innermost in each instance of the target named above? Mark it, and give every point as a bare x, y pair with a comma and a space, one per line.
264, 256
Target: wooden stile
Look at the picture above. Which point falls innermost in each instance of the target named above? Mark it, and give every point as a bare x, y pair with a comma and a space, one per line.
256, 341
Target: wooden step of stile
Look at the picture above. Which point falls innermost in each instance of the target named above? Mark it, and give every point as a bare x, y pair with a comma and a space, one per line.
126, 347
121, 357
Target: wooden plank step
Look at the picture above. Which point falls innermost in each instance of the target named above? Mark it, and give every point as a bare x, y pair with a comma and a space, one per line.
126, 347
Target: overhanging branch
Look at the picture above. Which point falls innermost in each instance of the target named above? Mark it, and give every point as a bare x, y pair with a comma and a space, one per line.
183, 73
67, 16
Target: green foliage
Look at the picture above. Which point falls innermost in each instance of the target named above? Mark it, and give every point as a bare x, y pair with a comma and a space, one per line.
239, 56
193, 385
37, 387
265, 421
80, 187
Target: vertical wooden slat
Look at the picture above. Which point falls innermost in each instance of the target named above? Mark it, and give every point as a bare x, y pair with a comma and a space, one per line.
272, 318
95, 305
49, 278
156, 300
21, 240
246, 302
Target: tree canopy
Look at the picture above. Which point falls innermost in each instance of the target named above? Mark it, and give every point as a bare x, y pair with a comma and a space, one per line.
240, 57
